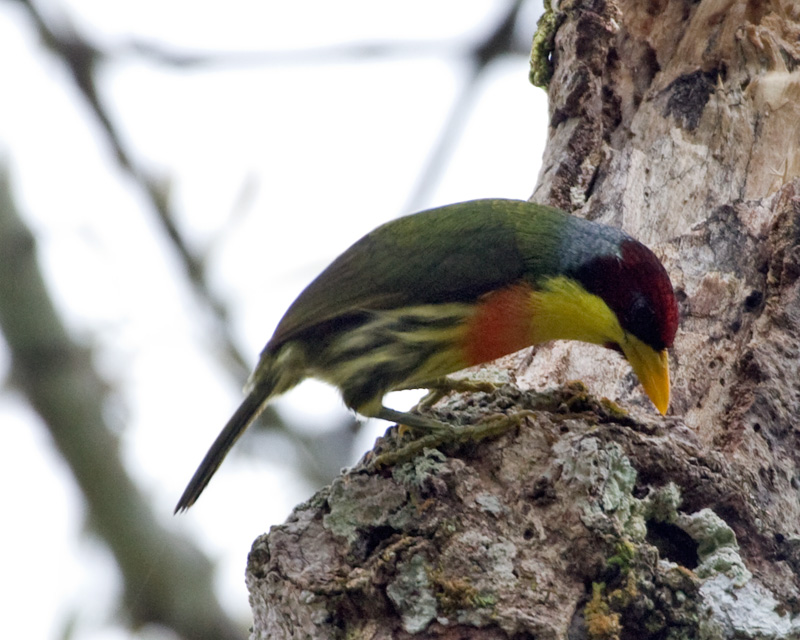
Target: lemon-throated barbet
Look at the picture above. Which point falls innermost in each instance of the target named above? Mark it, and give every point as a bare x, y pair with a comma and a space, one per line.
431, 293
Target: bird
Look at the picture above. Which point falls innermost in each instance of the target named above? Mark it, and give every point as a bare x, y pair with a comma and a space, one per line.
431, 293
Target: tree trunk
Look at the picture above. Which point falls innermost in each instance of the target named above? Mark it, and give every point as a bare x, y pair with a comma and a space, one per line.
680, 122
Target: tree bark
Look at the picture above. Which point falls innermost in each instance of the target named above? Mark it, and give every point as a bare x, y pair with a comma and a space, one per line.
678, 121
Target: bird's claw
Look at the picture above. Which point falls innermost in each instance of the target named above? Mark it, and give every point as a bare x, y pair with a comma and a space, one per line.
490, 427
440, 387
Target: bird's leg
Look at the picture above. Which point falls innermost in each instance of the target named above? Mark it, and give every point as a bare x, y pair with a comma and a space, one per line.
417, 422
440, 387
489, 427
433, 433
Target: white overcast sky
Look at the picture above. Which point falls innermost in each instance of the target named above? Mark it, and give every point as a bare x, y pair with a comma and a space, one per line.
293, 162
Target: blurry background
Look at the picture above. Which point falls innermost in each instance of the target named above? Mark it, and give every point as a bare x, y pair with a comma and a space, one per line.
185, 169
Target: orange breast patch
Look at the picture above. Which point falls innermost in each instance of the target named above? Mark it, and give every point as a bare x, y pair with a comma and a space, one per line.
501, 324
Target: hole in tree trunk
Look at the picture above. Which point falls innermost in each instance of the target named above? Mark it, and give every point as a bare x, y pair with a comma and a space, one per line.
673, 543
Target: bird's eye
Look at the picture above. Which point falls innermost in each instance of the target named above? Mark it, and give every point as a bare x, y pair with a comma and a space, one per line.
642, 321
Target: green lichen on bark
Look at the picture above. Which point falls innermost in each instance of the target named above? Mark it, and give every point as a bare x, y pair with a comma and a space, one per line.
644, 593
542, 48
601, 622
636, 594
412, 594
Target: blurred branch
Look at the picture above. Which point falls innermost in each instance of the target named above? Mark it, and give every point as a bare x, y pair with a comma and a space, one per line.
498, 42
350, 52
167, 579
82, 59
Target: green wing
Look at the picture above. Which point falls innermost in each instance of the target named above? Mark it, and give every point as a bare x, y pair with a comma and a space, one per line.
450, 254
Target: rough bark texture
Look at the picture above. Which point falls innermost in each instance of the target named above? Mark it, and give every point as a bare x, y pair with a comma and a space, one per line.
680, 122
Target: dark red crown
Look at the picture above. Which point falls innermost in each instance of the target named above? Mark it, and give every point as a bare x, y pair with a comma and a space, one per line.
637, 288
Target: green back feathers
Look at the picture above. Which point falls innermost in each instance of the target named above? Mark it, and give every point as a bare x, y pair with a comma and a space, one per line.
450, 254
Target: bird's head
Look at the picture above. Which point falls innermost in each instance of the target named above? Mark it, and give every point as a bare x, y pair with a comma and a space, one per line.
618, 295
636, 288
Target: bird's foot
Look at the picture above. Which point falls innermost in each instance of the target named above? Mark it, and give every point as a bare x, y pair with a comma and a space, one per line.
495, 425
416, 422
490, 427
440, 387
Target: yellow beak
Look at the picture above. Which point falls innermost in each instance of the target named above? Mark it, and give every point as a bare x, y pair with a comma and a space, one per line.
652, 369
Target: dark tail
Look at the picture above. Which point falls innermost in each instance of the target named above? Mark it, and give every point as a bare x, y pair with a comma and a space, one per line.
248, 411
